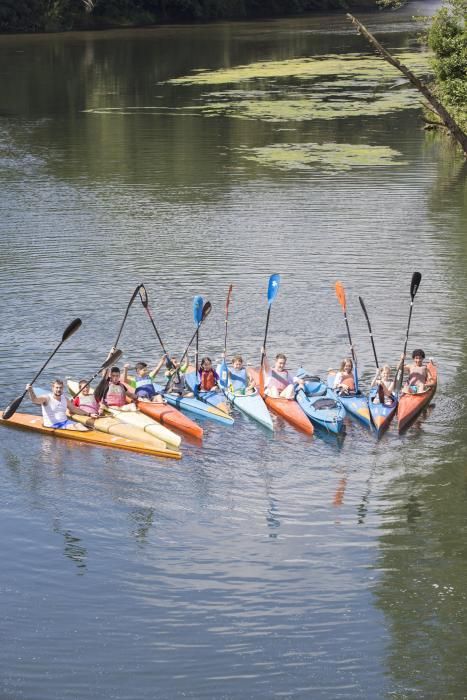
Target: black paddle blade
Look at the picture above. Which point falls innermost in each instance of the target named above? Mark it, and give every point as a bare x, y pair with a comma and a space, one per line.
111, 360
206, 311
415, 283
143, 296
12, 407
363, 307
99, 391
69, 330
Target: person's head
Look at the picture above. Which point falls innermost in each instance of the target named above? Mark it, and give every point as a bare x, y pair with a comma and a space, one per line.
141, 369
346, 365
418, 356
57, 387
115, 375
281, 359
206, 363
237, 362
83, 383
175, 362
386, 372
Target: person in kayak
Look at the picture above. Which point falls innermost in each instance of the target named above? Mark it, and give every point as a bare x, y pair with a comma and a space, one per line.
208, 376
56, 408
144, 388
239, 381
385, 386
86, 401
176, 377
344, 382
279, 382
116, 393
420, 377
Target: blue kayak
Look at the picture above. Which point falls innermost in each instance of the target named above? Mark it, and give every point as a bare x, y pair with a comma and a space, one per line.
381, 413
192, 405
356, 404
212, 398
320, 404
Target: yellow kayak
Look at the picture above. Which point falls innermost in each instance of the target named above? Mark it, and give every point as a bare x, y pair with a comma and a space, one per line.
113, 426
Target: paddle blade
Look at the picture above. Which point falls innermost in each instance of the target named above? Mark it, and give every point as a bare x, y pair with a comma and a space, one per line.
415, 283
340, 293
72, 328
205, 311
143, 295
229, 295
12, 407
223, 374
364, 310
111, 360
273, 287
197, 309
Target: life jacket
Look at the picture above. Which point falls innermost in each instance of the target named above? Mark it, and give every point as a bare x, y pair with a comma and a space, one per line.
115, 395
54, 411
87, 403
279, 380
144, 387
207, 379
238, 378
349, 382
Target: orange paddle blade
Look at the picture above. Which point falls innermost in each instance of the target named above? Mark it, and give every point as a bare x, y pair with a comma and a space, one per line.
340, 293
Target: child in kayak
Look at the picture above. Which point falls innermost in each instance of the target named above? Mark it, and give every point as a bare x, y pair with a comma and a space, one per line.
385, 391
115, 393
56, 407
144, 388
176, 378
344, 382
239, 381
279, 383
86, 401
207, 375
419, 378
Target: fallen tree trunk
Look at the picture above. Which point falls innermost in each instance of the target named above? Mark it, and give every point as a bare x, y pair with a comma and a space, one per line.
439, 108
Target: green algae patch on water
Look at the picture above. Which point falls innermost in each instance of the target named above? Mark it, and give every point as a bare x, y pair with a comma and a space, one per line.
358, 66
331, 157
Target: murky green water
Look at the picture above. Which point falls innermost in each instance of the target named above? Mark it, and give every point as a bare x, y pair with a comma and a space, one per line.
256, 566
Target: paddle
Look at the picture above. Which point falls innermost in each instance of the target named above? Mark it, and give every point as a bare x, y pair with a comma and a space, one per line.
14, 405
108, 363
224, 370
273, 290
197, 314
414, 285
340, 293
369, 328
205, 311
145, 302
133, 297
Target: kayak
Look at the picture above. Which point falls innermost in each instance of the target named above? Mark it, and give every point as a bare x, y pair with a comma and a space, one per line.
355, 404
114, 426
286, 408
194, 406
381, 413
251, 405
319, 404
410, 405
168, 415
27, 421
131, 415
213, 398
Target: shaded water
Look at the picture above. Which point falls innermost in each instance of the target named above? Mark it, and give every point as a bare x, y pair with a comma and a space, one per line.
257, 566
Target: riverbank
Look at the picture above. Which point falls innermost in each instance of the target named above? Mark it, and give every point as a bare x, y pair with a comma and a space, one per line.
18, 16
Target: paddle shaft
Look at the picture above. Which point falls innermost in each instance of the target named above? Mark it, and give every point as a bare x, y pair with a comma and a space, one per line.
110, 361
227, 303
414, 285
133, 297
205, 312
370, 331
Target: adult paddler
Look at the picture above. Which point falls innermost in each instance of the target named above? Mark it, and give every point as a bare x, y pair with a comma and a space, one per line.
279, 381
54, 407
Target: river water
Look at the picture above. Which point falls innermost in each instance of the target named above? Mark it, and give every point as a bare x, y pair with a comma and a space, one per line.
257, 566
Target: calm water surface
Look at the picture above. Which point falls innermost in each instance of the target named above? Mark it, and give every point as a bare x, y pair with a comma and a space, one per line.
257, 566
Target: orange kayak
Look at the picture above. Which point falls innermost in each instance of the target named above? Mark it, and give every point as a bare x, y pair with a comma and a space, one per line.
286, 408
410, 405
27, 421
171, 417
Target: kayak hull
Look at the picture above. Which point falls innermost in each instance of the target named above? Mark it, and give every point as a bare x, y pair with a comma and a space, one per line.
356, 405
26, 421
320, 405
286, 408
411, 405
213, 398
252, 405
381, 413
139, 419
195, 406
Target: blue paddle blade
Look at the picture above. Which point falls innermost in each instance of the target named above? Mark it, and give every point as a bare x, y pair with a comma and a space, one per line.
223, 375
197, 309
273, 287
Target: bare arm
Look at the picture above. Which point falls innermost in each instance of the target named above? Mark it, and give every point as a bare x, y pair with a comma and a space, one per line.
73, 408
158, 367
38, 400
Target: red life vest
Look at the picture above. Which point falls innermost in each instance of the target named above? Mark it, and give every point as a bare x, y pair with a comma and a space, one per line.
208, 379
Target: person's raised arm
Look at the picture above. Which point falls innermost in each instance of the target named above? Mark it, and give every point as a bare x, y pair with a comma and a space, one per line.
158, 367
38, 400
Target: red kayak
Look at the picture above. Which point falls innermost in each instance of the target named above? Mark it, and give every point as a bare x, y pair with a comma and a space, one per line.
410, 405
286, 408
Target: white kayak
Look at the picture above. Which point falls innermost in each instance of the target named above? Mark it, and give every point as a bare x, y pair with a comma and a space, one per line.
252, 405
